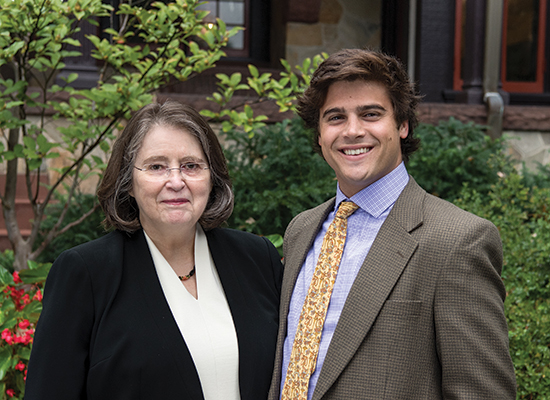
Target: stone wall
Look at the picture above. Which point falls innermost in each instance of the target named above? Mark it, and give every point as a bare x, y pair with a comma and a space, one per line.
532, 148
342, 24
527, 128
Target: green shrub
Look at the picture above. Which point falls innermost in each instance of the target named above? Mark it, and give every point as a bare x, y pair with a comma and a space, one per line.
276, 174
85, 231
539, 178
453, 153
523, 217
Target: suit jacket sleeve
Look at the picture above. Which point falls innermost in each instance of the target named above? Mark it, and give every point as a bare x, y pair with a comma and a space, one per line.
58, 366
471, 331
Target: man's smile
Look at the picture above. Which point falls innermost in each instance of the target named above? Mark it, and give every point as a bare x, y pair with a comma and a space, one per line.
354, 152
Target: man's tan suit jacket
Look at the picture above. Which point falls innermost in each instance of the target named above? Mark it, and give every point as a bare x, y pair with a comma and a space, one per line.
424, 318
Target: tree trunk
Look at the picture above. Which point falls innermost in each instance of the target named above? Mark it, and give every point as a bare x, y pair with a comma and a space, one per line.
19, 245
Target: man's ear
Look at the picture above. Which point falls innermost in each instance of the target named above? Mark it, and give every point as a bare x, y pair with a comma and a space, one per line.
404, 130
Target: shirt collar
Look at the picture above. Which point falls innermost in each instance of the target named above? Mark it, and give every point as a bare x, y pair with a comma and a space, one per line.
377, 197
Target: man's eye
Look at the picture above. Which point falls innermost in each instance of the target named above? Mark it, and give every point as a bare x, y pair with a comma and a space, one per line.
371, 115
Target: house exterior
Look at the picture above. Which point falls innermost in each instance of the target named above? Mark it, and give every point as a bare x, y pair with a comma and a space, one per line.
476, 60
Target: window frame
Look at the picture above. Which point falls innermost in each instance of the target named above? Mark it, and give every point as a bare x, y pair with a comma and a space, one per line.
509, 86
245, 51
526, 87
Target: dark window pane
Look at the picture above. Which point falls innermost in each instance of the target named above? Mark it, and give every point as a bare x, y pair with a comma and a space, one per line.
237, 41
210, 6
522, 40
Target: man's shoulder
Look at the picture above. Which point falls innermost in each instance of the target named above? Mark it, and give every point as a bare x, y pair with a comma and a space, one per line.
312, 215
436, 209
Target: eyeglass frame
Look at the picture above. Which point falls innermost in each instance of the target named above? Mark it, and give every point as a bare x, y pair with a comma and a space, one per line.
168, 171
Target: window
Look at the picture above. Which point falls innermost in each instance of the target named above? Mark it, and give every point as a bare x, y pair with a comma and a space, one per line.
524, 26
523, 45
235, 14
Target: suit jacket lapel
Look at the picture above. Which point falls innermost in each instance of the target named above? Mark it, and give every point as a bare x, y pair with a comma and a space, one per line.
295, 255
379, 273
223, 260
226, 261
138, 258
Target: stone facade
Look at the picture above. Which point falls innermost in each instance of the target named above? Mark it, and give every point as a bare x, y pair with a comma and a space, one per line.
527, 128
337, 24
532, 148
341, 24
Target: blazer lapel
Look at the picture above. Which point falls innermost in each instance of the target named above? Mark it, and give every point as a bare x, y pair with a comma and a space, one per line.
227, 261
223, 260
295, 254
138, 258
298, 250
388, 256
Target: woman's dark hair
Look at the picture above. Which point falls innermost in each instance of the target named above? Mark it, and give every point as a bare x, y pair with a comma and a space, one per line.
120, 208
369, 66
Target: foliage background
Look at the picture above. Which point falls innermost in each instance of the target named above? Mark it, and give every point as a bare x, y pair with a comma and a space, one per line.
276, 174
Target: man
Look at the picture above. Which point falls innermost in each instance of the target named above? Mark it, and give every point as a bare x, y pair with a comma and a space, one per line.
415, 310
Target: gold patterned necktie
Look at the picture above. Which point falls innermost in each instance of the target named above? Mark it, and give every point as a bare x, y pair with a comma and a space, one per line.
303, 357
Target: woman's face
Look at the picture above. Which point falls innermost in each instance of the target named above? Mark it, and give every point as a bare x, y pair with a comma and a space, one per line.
170, 201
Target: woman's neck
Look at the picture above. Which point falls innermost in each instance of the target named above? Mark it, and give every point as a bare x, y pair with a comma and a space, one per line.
177, 247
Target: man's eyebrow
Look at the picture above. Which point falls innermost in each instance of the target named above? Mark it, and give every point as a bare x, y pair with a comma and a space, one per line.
363, 108
368, 107
332, 111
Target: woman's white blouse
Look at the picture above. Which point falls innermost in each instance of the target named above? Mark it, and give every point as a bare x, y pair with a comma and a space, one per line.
205, 323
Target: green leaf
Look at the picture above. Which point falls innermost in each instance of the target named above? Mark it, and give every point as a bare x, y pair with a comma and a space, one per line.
6, 277
34, 307
253, 71
208, 113
248, 111
235, 79
104, 146
24, 353
276, 239
5, 361
72, 77
38, 273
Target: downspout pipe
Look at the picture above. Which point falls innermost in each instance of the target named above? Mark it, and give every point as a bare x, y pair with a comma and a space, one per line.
491, 74
495, 113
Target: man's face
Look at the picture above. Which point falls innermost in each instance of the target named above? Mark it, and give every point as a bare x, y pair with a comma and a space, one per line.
358, 135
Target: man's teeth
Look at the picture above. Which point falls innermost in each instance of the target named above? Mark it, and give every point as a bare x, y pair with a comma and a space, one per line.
354, 152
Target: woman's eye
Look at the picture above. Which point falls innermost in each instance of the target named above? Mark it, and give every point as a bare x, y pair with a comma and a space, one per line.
156, 167
190, 166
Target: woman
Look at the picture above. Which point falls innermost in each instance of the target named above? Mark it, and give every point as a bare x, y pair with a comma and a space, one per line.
168, 305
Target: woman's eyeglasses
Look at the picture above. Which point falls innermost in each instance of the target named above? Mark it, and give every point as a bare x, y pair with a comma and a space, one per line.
190, 170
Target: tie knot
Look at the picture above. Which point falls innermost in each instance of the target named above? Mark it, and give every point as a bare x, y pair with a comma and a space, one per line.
346, 209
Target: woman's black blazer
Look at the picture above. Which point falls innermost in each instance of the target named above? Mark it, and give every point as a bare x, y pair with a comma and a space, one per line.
106, 330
